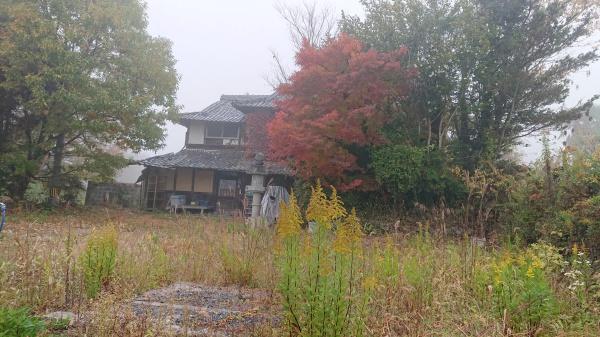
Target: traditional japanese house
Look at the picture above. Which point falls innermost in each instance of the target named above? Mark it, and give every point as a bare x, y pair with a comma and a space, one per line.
214, 167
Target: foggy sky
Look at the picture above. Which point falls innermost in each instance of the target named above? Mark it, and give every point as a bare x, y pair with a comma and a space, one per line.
224, 47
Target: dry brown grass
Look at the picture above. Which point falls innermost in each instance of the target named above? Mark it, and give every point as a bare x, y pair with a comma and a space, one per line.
434, 287
39, 270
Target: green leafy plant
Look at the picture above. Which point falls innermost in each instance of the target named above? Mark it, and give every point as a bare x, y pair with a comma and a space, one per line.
98, 259
19, 323
416, 174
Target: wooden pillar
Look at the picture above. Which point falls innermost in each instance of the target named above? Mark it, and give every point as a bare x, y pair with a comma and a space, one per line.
193, 179
155, 190
175, 180
144, 196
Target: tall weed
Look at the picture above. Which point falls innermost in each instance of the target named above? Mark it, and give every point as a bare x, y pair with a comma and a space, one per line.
419, 267
98, 259
322, 282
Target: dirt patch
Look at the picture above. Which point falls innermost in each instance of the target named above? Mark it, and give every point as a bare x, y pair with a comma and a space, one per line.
208, 311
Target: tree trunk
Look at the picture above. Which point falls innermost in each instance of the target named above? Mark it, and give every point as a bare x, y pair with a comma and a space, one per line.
55, 181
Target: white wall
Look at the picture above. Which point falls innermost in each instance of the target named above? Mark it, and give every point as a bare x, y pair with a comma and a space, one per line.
196, 133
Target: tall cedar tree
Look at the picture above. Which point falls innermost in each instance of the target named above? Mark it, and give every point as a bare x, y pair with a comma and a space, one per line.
490, 72
333, 110
82, 77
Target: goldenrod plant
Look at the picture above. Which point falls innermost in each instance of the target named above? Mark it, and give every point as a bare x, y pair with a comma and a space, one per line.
322, 282
522, 293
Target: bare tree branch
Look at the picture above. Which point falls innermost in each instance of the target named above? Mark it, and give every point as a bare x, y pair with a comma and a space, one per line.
279, 74
306, 22
309, 22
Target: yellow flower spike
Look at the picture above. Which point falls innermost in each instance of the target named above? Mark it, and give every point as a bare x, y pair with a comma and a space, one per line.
537, 263
336, 207
370, 283
530, 273
348, 234
306, 247
318, 206
288, 223
497, 280
575, 249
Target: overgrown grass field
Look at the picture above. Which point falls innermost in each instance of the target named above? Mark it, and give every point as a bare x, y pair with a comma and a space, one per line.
333, 281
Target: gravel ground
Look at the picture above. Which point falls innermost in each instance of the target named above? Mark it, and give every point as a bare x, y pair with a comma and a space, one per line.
199, 310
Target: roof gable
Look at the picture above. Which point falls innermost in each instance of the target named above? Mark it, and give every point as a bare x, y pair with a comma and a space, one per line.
221, 111
231, 108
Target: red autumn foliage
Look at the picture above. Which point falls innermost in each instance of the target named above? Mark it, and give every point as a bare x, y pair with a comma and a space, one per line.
333, 107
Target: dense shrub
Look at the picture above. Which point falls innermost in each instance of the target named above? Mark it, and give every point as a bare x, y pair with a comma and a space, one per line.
559, 201
416, 174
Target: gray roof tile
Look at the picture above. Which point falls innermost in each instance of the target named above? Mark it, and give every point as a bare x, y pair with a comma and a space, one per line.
230, 108
221, 111
215, 159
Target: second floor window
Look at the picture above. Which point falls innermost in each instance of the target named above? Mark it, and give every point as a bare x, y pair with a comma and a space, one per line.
222, 134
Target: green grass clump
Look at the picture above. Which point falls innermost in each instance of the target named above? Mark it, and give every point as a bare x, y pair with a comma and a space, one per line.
98, 260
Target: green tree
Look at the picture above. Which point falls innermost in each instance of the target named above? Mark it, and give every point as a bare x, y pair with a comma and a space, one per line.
86, 77
412, 174
491, 72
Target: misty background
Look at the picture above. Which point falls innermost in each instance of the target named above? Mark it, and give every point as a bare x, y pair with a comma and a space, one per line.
225, 47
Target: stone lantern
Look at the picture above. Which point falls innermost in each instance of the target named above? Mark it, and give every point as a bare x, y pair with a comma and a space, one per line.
257, 187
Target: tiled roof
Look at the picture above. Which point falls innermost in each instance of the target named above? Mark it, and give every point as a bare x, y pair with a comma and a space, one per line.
245, 98
215, 159
231, 108
251, 101
221, 111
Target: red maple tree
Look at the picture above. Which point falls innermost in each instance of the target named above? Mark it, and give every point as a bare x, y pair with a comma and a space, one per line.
333, 108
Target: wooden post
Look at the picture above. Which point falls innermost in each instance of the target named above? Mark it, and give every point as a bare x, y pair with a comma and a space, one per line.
155, 189
144, 196
193, 179
175, 180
